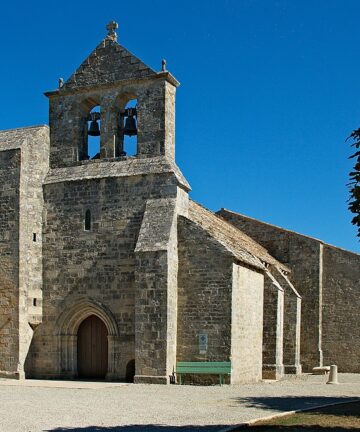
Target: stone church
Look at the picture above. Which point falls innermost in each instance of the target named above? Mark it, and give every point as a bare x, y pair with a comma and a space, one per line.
108, 270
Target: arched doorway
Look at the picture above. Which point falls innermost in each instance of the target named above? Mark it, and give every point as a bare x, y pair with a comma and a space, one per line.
92, 348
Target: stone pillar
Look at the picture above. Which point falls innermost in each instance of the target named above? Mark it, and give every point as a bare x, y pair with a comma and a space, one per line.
67, 356
111, 358
273, 367
156, 120
109, 127
154, 318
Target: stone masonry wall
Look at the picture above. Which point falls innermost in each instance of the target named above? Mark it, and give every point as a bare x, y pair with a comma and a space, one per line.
246, 325
24, 153
273, 329
221, 300
10, 161
151, 317
302, 255
156, 289
35, 165
204, 295
98, 264
156, 120
108, 62
341, 305
292, 326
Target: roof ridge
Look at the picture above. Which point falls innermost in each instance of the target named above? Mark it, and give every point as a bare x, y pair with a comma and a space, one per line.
286, 230
246, 243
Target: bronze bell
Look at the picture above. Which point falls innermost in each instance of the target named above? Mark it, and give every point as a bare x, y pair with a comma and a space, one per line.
130, 126
94, 129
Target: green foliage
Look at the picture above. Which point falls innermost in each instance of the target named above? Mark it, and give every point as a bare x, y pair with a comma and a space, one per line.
354, 184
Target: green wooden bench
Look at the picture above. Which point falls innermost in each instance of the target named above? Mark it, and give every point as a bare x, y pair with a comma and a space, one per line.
210, 368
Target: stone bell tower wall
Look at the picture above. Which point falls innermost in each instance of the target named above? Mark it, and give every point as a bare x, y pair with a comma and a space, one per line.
69, 110
98, 270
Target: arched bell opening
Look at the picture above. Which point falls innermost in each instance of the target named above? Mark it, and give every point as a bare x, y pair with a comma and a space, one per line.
127, 129
90, 118
93, 133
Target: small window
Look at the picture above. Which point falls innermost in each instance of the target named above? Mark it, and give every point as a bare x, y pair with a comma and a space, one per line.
87, 220
34, 237
34, 302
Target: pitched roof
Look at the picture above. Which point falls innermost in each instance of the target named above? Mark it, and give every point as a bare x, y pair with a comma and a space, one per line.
241, 245
109, 62
233, 217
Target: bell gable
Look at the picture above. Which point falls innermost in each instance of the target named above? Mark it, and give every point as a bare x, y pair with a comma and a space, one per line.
108, 63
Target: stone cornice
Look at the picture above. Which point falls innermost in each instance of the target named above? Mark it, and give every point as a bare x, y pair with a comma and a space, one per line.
166, 76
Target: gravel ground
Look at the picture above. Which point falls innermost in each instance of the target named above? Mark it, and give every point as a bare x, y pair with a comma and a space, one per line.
52, 406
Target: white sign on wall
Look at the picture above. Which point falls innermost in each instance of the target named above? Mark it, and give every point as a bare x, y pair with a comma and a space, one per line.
203, 343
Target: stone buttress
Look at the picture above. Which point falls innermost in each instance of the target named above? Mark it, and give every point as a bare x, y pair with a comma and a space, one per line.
24, 162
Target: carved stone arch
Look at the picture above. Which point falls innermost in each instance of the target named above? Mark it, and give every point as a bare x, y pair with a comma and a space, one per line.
88, 103
124, 97
119, 103
67, 327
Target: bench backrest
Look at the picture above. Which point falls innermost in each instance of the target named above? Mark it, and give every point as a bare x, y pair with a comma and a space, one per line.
204, 367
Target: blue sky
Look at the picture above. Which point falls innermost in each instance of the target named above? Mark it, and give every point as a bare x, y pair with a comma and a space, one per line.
269, 92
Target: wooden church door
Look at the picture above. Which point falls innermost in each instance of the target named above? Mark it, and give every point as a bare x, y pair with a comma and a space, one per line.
92, 348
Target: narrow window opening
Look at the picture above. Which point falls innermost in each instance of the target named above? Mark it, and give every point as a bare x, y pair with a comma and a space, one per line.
87, 220
128, 129
93, 134
34, 237
34, 302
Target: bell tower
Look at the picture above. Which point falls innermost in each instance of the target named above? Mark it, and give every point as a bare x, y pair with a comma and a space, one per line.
94, 102
111, 214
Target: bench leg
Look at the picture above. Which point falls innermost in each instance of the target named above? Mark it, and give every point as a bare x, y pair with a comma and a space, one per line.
221, 379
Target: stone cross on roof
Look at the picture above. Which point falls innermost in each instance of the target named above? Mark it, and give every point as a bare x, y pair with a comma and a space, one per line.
111, 27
